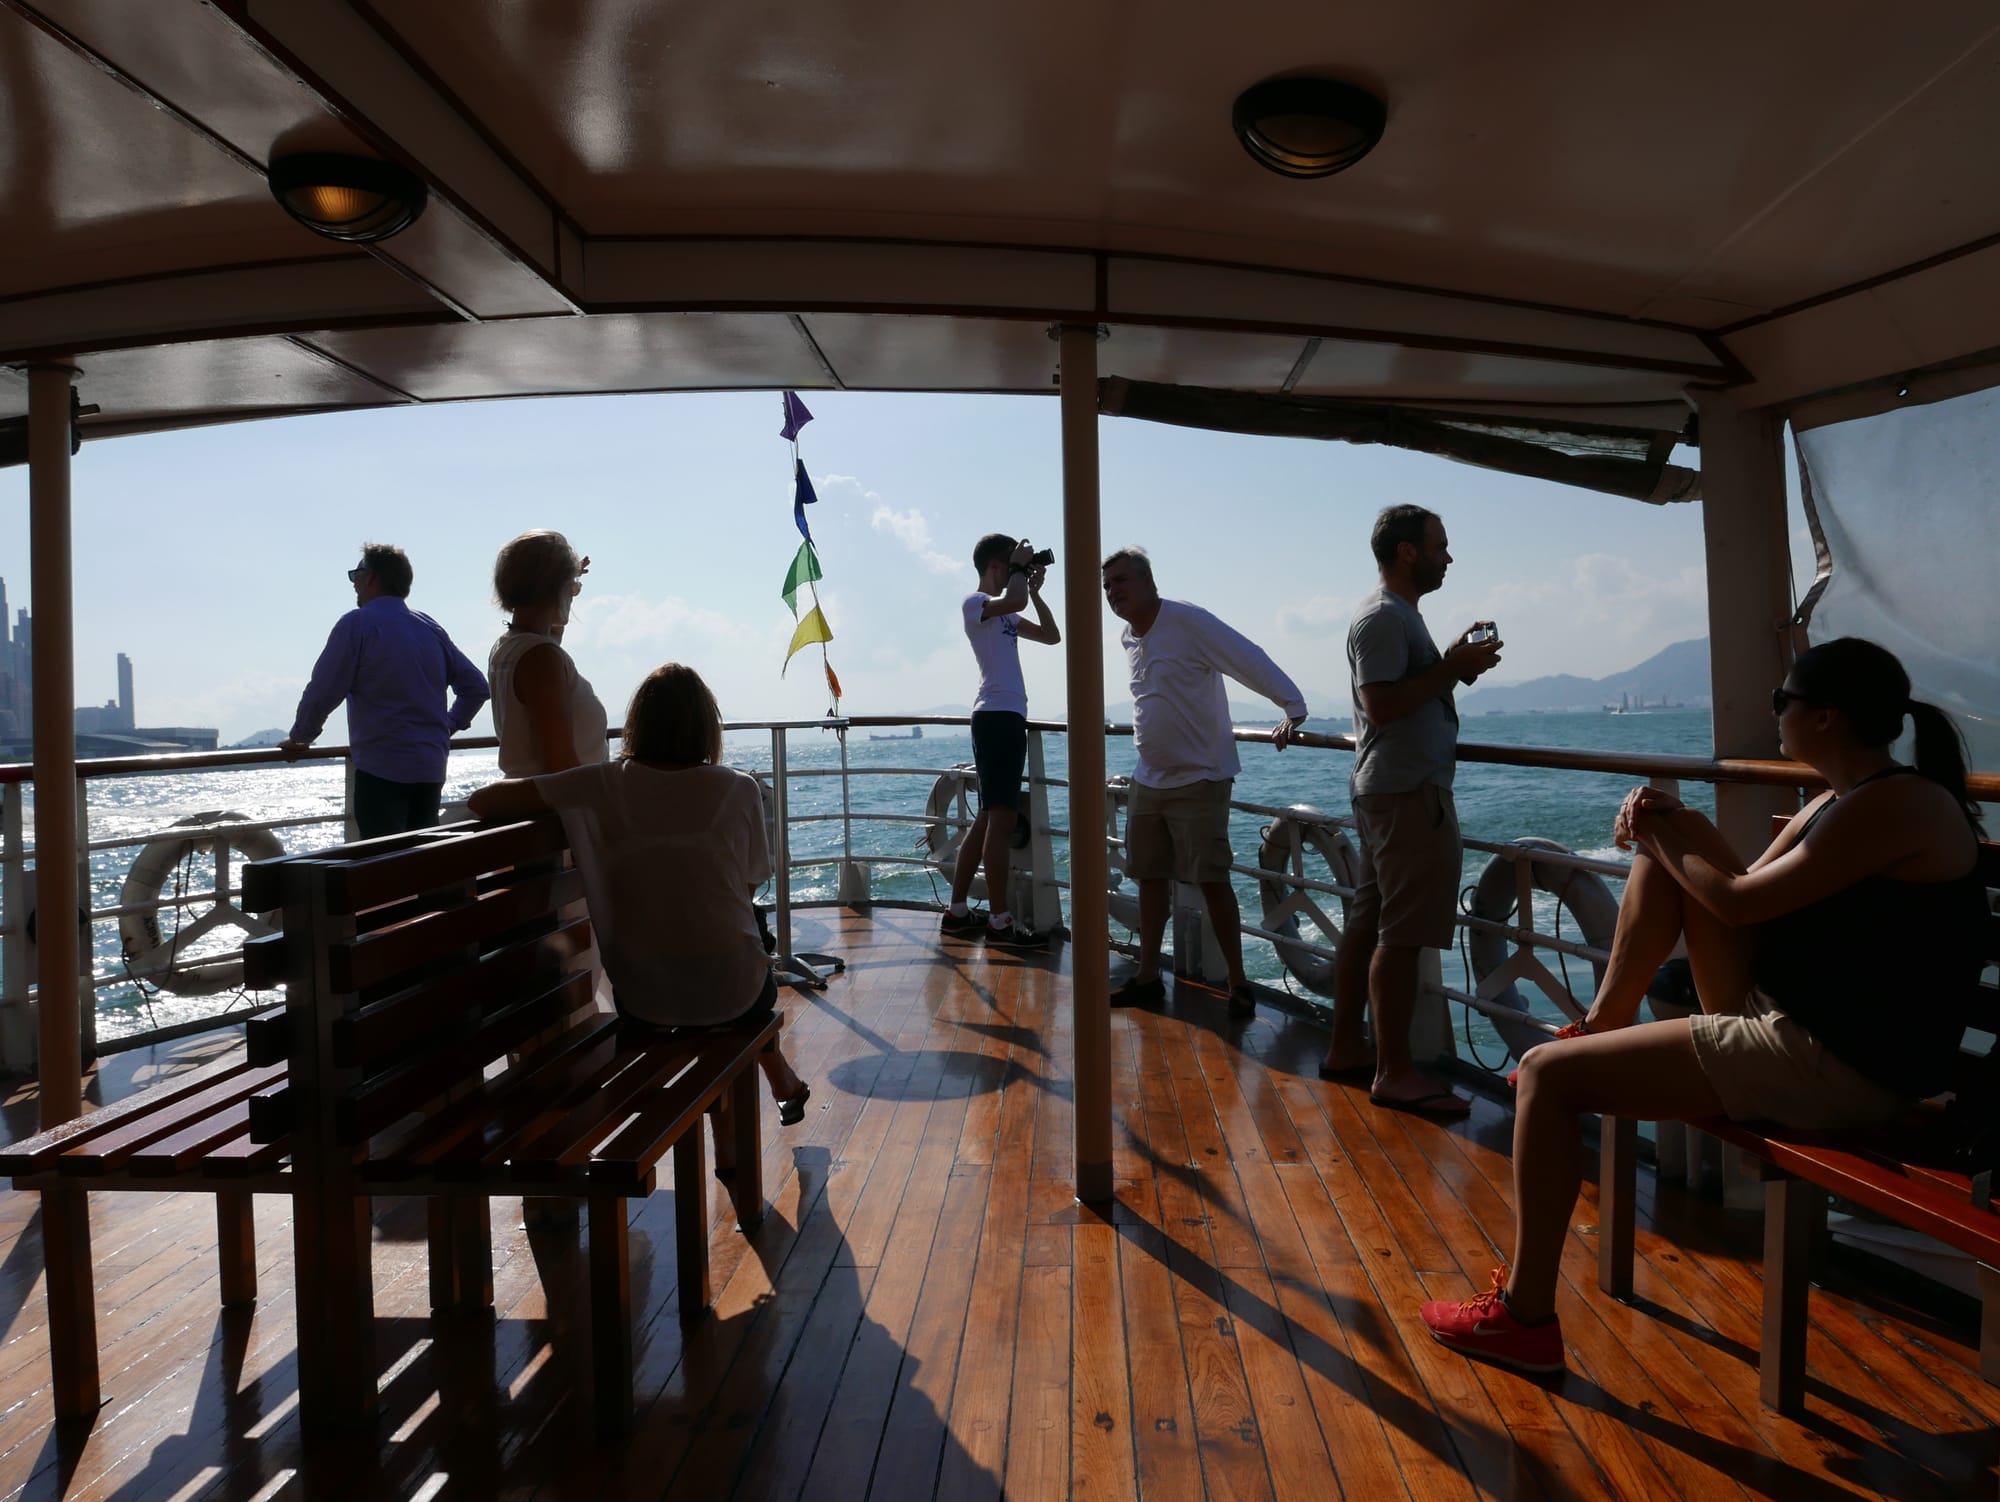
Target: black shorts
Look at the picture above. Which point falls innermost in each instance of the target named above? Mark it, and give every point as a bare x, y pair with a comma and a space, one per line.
1000, 754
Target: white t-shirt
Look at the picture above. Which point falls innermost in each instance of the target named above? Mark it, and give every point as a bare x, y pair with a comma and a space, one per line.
996, 643
669, 859
1180, 709
520, 756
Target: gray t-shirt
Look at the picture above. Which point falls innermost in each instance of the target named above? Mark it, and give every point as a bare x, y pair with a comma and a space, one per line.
1388, 642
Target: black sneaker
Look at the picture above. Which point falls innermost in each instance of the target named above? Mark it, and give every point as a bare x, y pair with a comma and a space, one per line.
1016, 935
1140, 993
973, 923
1242, 1002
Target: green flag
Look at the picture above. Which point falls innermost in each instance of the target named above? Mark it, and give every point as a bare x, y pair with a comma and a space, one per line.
813, 628
804, 569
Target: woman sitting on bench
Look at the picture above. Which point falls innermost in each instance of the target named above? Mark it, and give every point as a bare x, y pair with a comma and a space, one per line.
671, 847
1828, 971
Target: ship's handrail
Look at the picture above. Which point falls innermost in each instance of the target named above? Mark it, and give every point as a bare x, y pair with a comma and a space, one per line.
18, 854
1983, 786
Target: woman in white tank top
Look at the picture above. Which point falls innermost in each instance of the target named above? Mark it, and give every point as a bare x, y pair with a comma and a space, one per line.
544, 711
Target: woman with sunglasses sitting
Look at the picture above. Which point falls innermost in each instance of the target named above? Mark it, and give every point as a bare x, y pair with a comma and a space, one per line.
1826, 969
671, 845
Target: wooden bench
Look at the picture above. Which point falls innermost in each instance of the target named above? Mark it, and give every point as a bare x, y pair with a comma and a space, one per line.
186, 1134
444, 1043
1904, 1172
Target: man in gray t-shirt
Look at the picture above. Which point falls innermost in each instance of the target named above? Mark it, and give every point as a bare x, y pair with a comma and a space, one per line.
1406, 745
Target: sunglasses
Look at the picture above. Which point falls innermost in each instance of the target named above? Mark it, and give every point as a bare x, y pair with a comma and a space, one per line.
1780, 697
354, 574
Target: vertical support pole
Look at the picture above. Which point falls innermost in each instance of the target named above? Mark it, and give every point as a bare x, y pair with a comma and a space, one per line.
17, 1017
1046, 907
781, 840
1749, 602
1083, 650
57, 894
65, 1210
86, 976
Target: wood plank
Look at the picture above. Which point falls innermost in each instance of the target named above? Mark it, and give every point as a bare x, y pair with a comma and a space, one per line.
1038, 1429
1103, 1459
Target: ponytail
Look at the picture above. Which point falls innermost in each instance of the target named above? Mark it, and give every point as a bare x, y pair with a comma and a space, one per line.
1940, 753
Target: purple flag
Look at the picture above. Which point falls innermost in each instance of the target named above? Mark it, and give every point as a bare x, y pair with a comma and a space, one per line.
796, 417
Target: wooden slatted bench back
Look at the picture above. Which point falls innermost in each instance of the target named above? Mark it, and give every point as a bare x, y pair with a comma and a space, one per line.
411, 971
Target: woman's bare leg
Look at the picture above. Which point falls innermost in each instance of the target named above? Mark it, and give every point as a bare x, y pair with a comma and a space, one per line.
1648, 1072
778, 1072
1653, 914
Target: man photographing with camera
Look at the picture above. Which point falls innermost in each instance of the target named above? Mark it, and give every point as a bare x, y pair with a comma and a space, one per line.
1010, 579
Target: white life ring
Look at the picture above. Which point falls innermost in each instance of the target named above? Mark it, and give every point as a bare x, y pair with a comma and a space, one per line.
162, 961
1284, 848
947, 801
1495, 970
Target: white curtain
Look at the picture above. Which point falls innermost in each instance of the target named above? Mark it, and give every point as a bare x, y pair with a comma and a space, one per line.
1905, 510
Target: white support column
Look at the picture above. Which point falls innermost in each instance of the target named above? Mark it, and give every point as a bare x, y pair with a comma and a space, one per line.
1749, 601
1083, 648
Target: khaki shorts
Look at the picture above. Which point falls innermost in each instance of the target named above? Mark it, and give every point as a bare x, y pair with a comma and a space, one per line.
1182, 832
1767, 1067
1412, 866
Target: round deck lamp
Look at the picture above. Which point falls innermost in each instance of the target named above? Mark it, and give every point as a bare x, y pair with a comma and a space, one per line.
1307, 127
357, 199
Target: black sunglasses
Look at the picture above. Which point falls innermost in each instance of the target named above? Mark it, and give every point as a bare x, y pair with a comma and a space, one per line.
354, 574
1780, 697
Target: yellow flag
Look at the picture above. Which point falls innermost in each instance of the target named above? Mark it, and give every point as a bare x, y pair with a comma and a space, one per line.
813, 628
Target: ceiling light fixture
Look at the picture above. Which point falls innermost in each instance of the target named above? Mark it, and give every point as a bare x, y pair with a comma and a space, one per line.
357, 199
1307, 127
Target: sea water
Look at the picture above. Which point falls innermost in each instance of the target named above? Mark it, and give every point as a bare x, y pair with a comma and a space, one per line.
1575, 809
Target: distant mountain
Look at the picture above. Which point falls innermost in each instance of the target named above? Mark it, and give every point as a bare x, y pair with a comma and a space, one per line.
258, 741
1677, 674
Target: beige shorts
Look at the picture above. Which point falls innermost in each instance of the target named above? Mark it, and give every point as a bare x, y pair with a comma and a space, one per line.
1182, 832
1412, 866
1767, 1067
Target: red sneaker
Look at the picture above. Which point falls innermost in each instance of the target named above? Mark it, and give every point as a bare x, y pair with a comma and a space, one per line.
1567, 1030
1486, 1327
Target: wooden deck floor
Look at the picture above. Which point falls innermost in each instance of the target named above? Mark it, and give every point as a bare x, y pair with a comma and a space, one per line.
927, 1312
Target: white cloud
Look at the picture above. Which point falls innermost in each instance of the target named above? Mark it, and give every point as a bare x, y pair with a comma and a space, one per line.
632, 621
1315, 616
911, 528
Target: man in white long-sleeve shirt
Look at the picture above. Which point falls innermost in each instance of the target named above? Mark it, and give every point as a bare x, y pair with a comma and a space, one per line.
1177, 827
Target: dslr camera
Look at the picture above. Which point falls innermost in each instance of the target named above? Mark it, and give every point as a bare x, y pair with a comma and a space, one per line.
1046, 558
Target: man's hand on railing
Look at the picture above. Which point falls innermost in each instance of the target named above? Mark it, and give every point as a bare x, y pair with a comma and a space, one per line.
1281, 734
292, 750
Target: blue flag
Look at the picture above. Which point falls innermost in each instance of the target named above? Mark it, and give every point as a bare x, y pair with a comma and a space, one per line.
796, 417
802, 497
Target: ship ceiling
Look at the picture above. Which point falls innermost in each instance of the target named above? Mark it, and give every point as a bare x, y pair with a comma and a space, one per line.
1575, 208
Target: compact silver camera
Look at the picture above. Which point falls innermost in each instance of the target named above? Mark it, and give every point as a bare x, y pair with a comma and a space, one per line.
1483, 633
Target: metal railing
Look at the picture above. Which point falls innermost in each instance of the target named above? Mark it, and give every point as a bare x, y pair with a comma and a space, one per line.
945, 812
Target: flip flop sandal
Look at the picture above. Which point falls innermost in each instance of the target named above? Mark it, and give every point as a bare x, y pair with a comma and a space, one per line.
792, 1109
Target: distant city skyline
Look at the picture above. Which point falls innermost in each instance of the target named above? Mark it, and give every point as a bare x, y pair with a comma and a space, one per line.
102, 729
227, 547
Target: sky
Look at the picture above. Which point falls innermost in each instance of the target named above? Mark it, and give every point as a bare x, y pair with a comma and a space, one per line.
217, 558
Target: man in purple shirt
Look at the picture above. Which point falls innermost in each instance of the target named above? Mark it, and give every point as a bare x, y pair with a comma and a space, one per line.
392, 665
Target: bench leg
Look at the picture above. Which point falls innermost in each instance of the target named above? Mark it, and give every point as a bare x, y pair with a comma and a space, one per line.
748, 1191
1794, 1211
236, 1246
611, 1313
1989, 1323
1617, 1188
691, 1221
72, 1301
461, 1251
333, 1247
